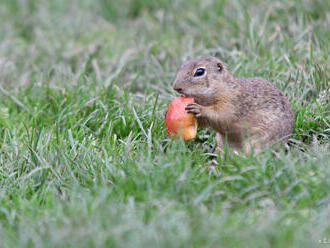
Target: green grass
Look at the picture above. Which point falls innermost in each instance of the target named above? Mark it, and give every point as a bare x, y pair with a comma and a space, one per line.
85, 160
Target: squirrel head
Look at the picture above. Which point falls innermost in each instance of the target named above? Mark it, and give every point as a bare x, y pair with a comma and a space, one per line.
204, 79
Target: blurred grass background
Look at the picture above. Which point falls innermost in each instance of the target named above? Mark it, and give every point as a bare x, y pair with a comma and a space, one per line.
85, 160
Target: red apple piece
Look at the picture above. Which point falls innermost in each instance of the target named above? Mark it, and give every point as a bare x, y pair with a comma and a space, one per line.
178, 122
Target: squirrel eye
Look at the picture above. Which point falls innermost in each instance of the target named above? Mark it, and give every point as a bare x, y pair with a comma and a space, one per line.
199, 72
220, 67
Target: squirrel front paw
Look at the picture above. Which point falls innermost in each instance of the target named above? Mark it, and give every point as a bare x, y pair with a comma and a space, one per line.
194, 109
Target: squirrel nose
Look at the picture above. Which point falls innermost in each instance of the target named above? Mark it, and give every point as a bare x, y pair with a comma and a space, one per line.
178, 89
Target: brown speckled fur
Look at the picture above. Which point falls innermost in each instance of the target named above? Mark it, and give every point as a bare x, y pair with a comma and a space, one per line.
247, 112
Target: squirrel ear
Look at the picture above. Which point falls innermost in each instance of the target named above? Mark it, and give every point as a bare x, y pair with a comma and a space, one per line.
220, 67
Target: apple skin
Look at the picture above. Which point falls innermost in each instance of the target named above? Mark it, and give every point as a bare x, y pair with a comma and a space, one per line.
178, 122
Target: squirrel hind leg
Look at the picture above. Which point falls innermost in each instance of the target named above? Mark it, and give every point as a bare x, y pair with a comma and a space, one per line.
220, 142
225, 145
253, 145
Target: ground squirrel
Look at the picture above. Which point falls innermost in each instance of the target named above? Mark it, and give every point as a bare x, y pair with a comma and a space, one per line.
247, 113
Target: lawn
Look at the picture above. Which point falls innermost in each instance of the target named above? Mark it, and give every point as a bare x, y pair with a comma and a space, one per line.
85, 160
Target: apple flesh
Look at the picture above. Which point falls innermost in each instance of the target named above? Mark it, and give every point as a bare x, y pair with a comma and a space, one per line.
178, 122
